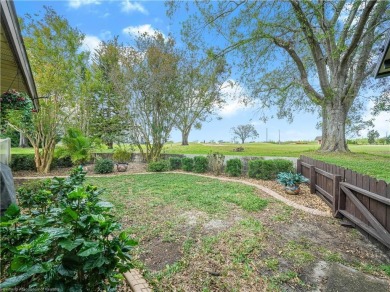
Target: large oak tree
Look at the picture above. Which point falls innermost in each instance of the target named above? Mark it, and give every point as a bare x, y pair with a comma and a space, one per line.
312, 55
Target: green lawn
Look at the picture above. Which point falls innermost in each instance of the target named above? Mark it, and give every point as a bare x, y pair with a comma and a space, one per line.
201, 234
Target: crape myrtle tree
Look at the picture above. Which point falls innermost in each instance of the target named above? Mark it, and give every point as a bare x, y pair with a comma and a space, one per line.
148, 82
200, 85
108, 109
295, 55
244, 132
52, 46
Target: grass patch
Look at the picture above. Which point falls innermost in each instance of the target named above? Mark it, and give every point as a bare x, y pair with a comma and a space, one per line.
185, 191
377, 166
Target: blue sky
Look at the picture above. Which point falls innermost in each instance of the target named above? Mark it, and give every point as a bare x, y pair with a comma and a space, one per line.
102, 20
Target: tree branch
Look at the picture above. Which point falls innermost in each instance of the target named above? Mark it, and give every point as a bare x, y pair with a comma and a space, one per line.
358, 32
311, 92
314, 45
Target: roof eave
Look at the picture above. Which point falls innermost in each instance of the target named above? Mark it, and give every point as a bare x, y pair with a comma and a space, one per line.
11, 26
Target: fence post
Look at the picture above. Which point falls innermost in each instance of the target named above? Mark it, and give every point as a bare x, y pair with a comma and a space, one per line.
336, 195
299, 166
312, 179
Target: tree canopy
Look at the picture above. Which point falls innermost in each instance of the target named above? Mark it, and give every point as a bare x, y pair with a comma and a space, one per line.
296, 55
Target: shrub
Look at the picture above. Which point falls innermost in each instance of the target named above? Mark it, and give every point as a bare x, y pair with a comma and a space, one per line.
187, 163
23, 162
175, 163
104, 165
200, 164
62, 240
57, 162
216, 161
268, 169
75, 145
282, 165
158, 166
289, 179
122, 154
234, 167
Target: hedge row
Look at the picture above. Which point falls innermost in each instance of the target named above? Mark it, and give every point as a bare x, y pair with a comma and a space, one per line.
27, 162
259, 169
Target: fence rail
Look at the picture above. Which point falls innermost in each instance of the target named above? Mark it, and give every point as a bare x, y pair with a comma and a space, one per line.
361, 199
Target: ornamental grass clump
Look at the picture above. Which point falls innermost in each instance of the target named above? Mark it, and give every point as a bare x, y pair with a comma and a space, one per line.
63, 236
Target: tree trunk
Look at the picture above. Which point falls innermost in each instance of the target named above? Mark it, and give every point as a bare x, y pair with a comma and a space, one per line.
333, 127
242, 140
23, 142
184, 137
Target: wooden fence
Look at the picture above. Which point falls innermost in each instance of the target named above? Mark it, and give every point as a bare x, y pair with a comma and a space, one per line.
361, 199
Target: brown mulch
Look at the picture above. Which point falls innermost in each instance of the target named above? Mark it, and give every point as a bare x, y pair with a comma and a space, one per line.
304, 198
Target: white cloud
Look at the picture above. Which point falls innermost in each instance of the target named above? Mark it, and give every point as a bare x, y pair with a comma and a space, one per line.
234, 96
138, 30
105, 34
129, 6
77, 3
90, 43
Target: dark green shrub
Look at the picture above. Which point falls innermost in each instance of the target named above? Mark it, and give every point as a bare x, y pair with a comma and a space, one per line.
200, 164
67, 240
23, 162
268, 169
158, 166
283, 165
62, 162
104, 166
12, 134
175, 163
216, 161
234, 167
187, 163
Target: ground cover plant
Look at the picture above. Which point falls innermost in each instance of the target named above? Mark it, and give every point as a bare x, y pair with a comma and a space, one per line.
62, 236
201, 234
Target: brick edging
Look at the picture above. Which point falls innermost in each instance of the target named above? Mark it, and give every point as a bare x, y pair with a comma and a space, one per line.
136, 282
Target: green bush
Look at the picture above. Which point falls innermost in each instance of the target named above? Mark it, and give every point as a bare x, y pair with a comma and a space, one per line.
158, 166
234, 167
268, 169
175, 163
282, 165
23, 162
66, 239
187, 163
200, 164
122, 154
104, 165
62, 162
75, 145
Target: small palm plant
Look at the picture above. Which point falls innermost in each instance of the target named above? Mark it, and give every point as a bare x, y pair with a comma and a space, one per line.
77, 146
291, 181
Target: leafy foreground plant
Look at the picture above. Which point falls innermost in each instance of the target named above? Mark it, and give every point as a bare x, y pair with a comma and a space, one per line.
63, 239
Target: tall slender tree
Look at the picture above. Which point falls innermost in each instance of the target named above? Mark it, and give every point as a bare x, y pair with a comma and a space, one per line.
109, 110
200, 85
53, 49
149, 71
313, 55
